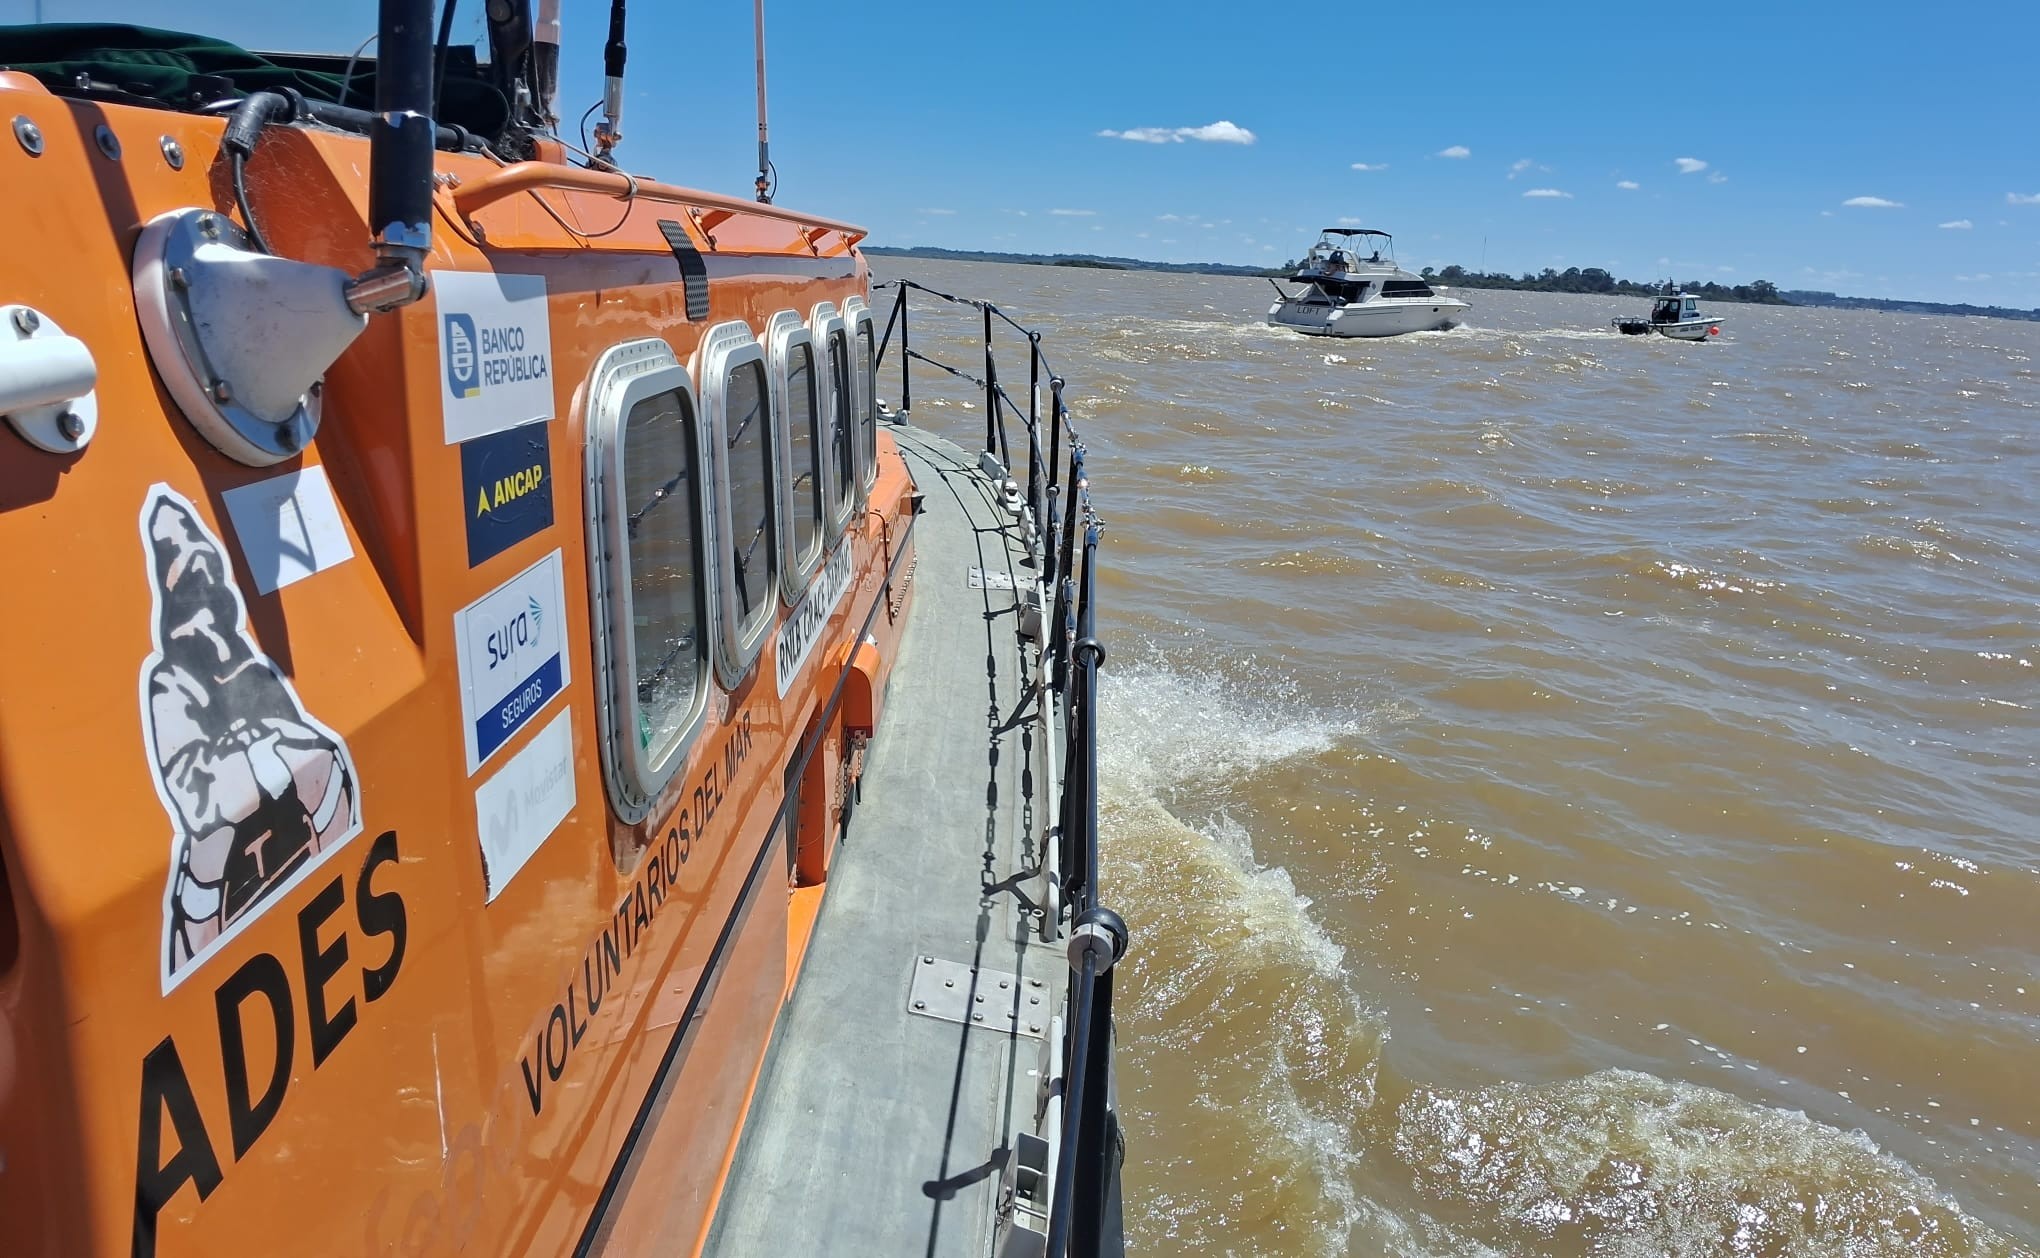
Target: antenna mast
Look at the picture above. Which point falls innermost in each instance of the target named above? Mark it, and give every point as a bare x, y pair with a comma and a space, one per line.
766, 176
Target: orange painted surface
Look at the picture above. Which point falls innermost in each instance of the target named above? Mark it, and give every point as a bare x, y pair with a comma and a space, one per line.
379, 1059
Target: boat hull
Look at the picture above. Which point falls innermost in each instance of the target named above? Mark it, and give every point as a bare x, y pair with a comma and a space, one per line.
1390, 317
1688, 329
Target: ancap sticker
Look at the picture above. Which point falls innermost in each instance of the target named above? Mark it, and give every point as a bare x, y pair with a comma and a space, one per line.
495, 352
513, 656
506, 489
289, 527
259, 792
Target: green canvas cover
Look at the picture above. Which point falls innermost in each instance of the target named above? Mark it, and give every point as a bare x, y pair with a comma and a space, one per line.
180, 71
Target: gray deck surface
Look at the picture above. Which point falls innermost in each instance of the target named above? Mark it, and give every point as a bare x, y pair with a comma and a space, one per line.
876, 1131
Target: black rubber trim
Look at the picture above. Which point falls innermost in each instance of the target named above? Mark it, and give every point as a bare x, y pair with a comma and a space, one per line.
619, 1171
693, 271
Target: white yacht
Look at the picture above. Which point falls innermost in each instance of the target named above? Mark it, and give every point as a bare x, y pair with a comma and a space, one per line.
1352, 287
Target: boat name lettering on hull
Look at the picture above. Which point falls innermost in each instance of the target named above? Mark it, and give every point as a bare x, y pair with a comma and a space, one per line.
803, 629
258, 1022
590, 983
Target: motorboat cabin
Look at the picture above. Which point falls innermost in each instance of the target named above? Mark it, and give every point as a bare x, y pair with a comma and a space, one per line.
1355, 288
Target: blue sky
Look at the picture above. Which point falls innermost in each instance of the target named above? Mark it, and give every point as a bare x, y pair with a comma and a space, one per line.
1844, 145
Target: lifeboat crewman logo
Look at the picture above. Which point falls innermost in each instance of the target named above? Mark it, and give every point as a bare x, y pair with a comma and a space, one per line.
463, 379
258, 791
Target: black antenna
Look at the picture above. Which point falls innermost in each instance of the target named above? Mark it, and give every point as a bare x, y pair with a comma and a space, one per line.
609, 132
766, 176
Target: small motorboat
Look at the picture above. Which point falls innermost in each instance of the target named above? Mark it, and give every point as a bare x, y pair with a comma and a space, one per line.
1353, 287
1676, 314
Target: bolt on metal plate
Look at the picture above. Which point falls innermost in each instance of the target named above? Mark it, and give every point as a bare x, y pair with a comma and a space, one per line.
980, 579
996, 1000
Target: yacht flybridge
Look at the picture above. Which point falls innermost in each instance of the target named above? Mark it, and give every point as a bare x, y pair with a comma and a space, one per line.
506, 747
1353, 287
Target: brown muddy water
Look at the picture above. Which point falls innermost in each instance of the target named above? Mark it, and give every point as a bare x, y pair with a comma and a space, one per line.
1573, 794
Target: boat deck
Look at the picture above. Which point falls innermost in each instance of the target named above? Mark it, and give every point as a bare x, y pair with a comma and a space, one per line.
876, 1129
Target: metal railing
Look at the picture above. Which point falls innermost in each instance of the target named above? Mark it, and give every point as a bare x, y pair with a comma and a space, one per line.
1063, 532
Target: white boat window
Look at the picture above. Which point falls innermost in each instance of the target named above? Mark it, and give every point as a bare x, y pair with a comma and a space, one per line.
870, 355
797, 436
804, 415
838, 458
863, 398
842, 452
648, 568
737, 413
661, 495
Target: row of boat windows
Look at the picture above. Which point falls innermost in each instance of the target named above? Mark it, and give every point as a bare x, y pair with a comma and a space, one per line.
715, 496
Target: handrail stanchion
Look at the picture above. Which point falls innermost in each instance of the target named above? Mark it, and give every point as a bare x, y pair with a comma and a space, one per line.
1075, 1081
906, 386
1084, 1190
1034, 427
991, 389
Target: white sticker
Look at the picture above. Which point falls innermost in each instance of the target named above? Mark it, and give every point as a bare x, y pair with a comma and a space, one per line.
495, 352
513, 656
797, 637
527, 799
289, 527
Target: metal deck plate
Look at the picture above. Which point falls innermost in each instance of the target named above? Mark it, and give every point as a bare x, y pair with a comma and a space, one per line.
950, 991
993, 580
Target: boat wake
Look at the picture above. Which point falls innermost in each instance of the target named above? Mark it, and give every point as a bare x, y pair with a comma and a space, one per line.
1254, 1070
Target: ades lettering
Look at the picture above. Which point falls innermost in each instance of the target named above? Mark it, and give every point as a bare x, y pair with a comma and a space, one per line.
259, 1011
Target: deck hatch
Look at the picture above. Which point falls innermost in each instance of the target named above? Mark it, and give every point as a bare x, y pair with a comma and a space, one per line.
995, 1000
693, 270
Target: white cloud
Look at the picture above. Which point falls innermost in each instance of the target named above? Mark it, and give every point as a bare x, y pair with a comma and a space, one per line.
1020, 213
1874, 203
1689, 165
1074, 213
1220, 132
1520, 165
1827, 213
1959, 225
936, 211
1715, 176
1978, 278
1457, 150
1351, 222
1628, 185
2022, 198
1365, 166
1548, 192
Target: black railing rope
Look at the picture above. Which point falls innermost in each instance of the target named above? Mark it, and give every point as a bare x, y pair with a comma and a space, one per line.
1064, 545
